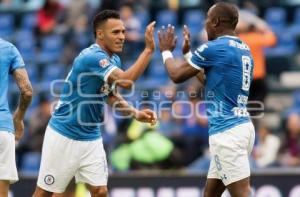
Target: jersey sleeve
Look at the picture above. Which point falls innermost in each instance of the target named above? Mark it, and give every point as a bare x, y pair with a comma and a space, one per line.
17, 60
201, 57
101, 65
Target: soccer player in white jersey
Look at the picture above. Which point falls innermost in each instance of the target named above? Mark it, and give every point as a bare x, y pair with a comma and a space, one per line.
72, 144
228, 66
11, 127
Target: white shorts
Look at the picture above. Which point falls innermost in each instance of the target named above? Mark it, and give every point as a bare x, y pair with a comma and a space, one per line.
64, 158
8, 169
230, 152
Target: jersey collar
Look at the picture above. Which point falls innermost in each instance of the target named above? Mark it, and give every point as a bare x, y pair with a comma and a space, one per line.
99, 47
228, 36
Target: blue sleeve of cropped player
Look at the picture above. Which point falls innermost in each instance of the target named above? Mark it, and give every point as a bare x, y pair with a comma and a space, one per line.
16, 60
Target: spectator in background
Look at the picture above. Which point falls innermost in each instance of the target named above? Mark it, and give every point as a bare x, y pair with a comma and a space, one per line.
78, 38
167, 125
290, 149
76, 10
266, 151
195, 127
48, 17
6, 4
133, 32
257, 35
38, 122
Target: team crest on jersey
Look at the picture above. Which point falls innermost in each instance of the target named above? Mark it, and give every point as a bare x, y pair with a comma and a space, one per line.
104, 63
49, 179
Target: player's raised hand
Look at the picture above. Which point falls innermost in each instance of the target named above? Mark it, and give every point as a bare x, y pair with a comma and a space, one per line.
167, 38
186, 45
149, 36
146, 115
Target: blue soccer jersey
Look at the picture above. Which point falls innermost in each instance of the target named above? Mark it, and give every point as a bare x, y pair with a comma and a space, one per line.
10, 59
80, 110
228, 66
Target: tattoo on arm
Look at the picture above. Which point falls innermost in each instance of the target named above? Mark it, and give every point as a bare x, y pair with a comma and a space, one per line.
22, 80
116, 101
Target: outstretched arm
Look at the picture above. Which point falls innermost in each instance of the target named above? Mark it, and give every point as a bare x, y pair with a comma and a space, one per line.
22, 80
137, 69
178, 71
118, 103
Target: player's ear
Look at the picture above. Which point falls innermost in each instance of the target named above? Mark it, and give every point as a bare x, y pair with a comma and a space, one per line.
100, 34
215, 21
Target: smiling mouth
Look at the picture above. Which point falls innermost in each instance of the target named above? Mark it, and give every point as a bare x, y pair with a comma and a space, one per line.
119, 44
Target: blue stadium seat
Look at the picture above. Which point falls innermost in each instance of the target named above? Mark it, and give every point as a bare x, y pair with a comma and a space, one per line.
34, 102
297, 16
7, 26
296, 99
30, 164
29, 21
276, 18
26, 43
51, 48
295, 26
53, 72
194, 19
157, 73
286, 45
33, 73
166, 17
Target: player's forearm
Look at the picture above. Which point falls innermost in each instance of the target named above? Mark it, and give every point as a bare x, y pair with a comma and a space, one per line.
173, 70
24, 102
201, 78
179, 71
25, 87
138, 68
119, 104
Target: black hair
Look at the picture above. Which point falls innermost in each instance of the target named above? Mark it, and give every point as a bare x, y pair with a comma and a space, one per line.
102, 17
228, 13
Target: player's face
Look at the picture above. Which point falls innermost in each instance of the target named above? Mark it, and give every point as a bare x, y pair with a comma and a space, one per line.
114, 35
209, 25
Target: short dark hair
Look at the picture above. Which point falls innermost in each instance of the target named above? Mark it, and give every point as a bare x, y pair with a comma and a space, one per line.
228, 13
103, 16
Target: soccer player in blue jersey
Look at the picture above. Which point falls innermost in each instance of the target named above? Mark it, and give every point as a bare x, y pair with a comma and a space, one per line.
11, 127
72, 144
227, 64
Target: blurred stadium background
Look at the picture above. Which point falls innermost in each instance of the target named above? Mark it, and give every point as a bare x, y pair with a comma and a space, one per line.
172, 160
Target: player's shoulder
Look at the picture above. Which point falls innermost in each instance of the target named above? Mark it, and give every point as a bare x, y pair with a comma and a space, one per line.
231, 42
206, 48
5, 44
93, 53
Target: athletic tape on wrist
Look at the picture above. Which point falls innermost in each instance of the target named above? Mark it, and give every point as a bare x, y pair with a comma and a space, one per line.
188, 55
166, 55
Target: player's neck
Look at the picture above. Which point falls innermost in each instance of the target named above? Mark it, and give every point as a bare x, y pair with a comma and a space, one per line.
226, 33
104, 48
